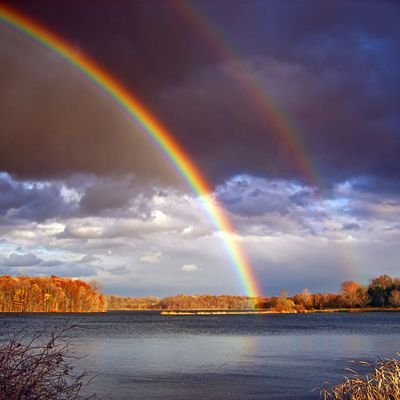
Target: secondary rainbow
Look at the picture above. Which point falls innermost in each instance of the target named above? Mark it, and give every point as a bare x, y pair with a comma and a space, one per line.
154, 128
261, 100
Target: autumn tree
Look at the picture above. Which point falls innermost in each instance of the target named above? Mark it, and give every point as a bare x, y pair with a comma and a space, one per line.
284, 304
48, 294
353, 294
394, 298
304, 299
380, 289
364, 299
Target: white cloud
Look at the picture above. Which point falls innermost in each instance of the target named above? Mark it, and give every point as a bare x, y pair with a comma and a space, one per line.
70, 195
152, 257
83, 232
283, 227
190, 268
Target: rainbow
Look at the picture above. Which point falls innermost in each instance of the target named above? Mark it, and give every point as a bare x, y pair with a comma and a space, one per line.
265, 105
154, 128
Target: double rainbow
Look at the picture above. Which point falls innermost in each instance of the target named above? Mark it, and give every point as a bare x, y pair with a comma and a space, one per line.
263, 102
154, 128
253, 88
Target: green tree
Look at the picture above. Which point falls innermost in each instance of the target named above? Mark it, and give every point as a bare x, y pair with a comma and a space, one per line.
380, 289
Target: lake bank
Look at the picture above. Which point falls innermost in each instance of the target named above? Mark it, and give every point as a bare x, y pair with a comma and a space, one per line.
215, 312
261, 312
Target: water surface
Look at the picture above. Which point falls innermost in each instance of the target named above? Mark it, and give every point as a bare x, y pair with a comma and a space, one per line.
284, 356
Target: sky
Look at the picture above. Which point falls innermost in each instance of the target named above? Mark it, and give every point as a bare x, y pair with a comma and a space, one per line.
290, 110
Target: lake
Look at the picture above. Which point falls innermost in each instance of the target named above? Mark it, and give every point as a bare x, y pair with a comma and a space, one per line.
147, 356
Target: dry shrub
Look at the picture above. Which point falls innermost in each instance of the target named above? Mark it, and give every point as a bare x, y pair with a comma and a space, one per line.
39, 366
382, 384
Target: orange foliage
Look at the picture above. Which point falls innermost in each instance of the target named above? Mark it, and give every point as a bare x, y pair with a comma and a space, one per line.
181, 302
49, 294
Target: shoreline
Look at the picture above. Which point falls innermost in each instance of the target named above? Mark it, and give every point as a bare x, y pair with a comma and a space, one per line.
218, 312
266, 312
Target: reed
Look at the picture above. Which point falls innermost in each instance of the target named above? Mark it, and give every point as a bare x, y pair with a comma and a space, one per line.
383, 383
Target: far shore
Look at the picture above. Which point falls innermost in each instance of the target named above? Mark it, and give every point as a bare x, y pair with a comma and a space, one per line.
221, 312
258, 312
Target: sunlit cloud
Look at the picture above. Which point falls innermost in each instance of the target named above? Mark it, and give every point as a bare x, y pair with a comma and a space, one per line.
190, 268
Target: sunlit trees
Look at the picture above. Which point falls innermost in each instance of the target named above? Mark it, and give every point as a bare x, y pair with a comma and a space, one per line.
349, 293
48, 294
54, 294
384, 290
132, 303
203, 302
283, 304
394, 298
354, 295
303, 299
364, 299
181, 302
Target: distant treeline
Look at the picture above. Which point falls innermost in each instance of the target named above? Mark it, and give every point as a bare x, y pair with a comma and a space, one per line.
180, 302
383, 291
49, 294
53, 294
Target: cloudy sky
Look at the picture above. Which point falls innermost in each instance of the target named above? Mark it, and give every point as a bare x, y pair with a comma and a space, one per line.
85, 193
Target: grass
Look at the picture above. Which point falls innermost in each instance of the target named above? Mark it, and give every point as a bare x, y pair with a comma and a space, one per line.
381, 384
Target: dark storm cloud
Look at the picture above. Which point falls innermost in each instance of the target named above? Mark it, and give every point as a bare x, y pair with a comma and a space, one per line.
62, 270
55, 123
346, 127
20, 260
99, 198
113, 195
367, 184
331, 68
32, 201
351, 226
147, 44
80, 196
29, 263
251, 197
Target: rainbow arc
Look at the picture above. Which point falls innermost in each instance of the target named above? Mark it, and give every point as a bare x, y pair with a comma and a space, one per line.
155, 130
254, 89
